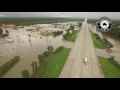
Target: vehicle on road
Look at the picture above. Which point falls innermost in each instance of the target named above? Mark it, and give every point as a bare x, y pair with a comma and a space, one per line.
85, 60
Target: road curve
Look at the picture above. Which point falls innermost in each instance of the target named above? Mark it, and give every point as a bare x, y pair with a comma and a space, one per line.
83, 47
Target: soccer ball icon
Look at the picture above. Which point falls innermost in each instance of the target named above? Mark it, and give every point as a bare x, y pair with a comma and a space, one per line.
104, 24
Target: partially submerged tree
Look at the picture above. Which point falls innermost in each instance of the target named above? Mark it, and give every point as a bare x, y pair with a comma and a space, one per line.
32, 64
35, 63
50, 49
25, 74
46, 53
41, 58
1, 30
7, 32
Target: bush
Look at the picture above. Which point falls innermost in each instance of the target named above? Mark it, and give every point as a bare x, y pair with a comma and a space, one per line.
72, 27
104, 41
112, 60
25, 74
1, 30
46, 54
59, 49
66, 35
97, 36
107, 43
41, 57
56, 33
80, 24
5, 35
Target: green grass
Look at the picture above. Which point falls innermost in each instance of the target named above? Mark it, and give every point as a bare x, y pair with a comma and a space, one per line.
72, 36
108, 68
42, 69
58, 62
47, 69
97, 43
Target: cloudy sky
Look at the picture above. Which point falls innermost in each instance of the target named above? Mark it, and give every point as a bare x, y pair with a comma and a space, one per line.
112, 15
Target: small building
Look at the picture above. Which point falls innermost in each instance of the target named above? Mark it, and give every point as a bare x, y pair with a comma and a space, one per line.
15, 28
8, 25
46, 32
62, 25
32, 29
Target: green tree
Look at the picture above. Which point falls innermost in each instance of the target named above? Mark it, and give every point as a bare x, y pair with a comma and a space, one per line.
80, 24
57, 33
46, 53
32, 64
35, 63
1, 30
50, 49
7, 32
40, 57
108, 44
72, 27
25, 74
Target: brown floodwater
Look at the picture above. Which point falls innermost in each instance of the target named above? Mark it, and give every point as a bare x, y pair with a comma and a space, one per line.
28, 48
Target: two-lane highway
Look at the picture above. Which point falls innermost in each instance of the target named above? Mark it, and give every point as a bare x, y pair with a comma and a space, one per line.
83, 47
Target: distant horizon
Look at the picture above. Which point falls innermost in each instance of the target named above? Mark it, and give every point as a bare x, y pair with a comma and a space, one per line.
58, 18
88, 15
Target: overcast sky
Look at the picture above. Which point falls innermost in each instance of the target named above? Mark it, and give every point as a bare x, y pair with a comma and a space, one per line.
112, 15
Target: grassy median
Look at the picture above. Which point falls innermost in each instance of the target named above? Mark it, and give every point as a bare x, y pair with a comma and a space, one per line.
109, 67
97, 43
53, 65
58, 62
72, 37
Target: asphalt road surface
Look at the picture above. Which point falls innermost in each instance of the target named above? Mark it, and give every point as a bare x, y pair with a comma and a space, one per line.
83, 47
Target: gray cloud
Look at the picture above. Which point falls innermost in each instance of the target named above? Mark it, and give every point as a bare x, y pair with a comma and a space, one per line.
112, 15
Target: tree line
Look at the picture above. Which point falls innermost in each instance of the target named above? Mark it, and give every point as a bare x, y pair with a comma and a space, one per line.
6, 66
114, 32
42, 59
56, 33
31, 21
104, 41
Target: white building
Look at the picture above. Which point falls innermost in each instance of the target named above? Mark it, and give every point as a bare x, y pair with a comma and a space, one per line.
62, 25
4, 30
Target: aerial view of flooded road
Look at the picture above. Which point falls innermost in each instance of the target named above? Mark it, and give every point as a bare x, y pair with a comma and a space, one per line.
59, 45
28, 45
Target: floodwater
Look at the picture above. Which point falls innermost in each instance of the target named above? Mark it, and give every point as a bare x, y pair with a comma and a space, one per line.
28, 48
115, 50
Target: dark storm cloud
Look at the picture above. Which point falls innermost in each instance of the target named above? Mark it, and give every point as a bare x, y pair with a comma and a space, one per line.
112, 15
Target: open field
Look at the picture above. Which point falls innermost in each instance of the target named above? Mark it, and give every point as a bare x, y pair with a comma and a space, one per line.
109, 69
58, 62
